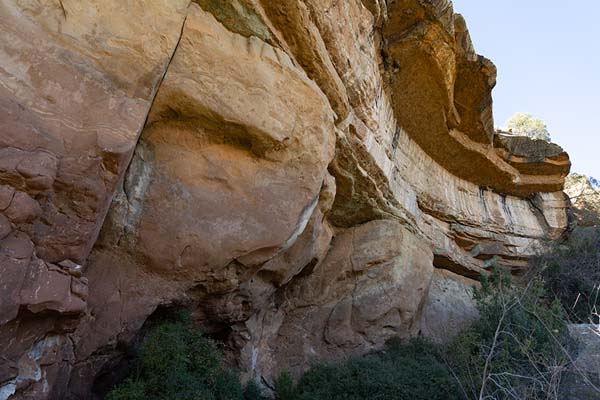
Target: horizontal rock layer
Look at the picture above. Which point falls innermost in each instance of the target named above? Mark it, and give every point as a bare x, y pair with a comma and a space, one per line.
310, 177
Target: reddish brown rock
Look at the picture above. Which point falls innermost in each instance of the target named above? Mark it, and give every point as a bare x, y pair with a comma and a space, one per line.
312, 178
475, 79
294, 20
241, 190
72, 117
440, 92
22, 208
76, 82
532, 157
253, 176
372, 285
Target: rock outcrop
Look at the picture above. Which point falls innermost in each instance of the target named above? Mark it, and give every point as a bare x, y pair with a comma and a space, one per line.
585, 200
311, 177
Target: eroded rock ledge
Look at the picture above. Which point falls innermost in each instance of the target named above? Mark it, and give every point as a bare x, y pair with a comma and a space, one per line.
311, 177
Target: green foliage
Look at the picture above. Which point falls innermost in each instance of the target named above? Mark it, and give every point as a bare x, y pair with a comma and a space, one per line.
513, 351
527, 125
516, 347
252, 391
284, 387
129, 390
177, 362
571, 273
403, 371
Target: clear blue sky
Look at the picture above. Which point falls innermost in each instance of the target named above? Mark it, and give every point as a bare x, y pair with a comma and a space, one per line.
548, 58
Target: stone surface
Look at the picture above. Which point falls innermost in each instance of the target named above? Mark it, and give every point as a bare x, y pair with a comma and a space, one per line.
77, 79
585, 200
441, 94
372, 285
309, 177
582, 379
73, 106
450, 306
250, 176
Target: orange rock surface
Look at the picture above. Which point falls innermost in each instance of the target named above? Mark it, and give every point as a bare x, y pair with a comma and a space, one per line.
310, 177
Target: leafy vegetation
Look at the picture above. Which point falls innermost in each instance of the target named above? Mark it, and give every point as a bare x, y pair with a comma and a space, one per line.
527, 125
571, 273
515, 350
177, 362
402, 371
517, 347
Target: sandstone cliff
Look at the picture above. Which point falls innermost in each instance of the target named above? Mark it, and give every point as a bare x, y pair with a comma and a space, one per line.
585, 200
310, 176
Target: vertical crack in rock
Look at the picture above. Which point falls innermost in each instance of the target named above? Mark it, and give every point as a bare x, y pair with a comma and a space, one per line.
164, 73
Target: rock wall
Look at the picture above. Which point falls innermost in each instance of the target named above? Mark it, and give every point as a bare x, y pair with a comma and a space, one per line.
585, 200
310, 176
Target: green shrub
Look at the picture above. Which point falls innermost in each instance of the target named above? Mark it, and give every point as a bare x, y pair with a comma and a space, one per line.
571, 272
516, 348
252, 391
129, 390
403, 371
285, 388
177, 362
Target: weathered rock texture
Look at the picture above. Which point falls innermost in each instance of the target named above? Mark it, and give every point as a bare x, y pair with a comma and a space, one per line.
585, 200
310, 176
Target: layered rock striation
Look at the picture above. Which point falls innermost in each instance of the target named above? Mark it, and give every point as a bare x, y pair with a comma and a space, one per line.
311, 177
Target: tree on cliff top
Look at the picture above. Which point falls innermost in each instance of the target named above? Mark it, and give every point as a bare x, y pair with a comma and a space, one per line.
527, 125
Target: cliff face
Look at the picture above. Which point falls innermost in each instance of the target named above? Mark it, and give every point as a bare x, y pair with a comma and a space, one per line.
311, 176
585, 200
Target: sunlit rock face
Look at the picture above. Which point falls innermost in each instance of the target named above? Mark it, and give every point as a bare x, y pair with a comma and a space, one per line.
77, 80
309, 177
584, 194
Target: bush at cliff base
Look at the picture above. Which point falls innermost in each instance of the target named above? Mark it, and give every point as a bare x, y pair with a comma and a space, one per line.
519, 346
516, 350
403, 371
571, 272
177, 362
